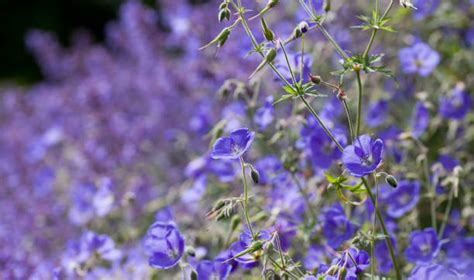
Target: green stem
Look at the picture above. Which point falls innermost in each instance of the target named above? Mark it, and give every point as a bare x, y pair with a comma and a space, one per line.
359, 104
282, 268
446, 214
374, 229
374, 31
384, 230
246, 198
349, 118
332, 41
328, 132
432, 190
288, 63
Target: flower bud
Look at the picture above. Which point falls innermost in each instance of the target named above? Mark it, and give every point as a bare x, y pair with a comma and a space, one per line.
356, 67
303, 27
254, 175
407, 4
272, 3
327, 5
190, 251
218, 205
267, 32
193, 275
234, 223
316, 79
342, 272
224, 14
391, 180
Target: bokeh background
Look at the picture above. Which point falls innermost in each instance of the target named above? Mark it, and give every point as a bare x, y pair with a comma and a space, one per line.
107, 111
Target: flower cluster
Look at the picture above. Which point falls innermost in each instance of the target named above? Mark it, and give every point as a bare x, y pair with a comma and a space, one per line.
288, 147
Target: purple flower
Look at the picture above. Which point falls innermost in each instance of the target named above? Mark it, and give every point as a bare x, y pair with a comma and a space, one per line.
456, 105
234, 146
424, 8
363, 156
314, 258
336, 227
402, 199
267, 166
423, 246
264, 115
217, 269
376, 113
433, 272
244, 243
164, 245
420, 120
418, 59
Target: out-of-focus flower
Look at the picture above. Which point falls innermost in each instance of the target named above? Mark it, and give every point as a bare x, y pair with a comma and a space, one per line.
420, 120
418, 59
456, 104
234, 146
376, 113
336, 227
423, 246
424, 8
216, 269
433, 272
402, 199
264, 115
164, 245
363, 156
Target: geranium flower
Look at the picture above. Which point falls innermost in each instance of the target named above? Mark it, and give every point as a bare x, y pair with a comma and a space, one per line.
234, 146
423, 246
456, 105
402, 199
418, 59
164, 245
363, 156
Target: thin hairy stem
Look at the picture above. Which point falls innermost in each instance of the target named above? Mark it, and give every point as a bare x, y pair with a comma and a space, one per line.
246, 198
384, 230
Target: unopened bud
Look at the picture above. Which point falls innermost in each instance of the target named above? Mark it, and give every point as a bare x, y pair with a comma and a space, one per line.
267, 32
193, 275
316, 79
391, 180
303, 27
356, 67
218, 205
190, 251
234, 223
254, 175
407, 4
224, 14
327, 5
342, 273
341, 95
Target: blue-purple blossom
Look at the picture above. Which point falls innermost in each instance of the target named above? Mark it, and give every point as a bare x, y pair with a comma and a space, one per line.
418, 59
376, 113
336, 227
423, 246
164, 245
363, 156
267, 167
233, 146
456, 104
424, 8
433, 272
402, 199
420, 120
264, 115
216, 269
